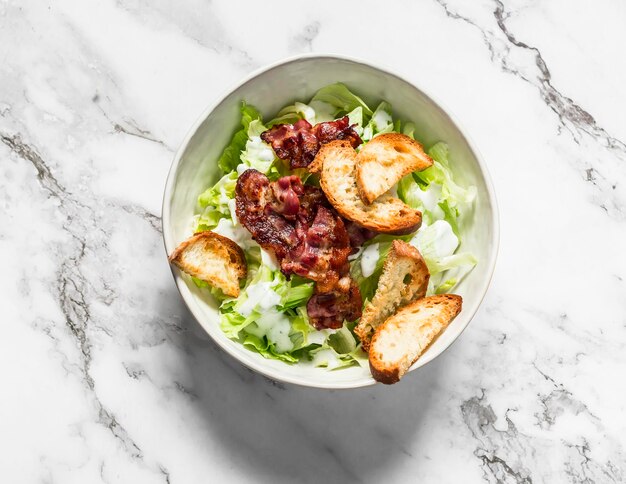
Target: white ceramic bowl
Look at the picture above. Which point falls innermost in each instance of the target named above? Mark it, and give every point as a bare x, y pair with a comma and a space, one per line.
296, 79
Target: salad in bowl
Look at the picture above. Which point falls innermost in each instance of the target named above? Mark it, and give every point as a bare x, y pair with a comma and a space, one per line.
332, 236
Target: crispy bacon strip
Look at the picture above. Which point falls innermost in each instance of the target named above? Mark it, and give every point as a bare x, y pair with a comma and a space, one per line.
300, 142
358, 235
287, 191
323, 308
322, 254
308, 237
254, 200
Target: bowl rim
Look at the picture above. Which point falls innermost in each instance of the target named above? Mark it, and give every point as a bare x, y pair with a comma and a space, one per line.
169, 243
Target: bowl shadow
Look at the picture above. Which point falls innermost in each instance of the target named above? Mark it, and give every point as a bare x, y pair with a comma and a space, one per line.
286, 433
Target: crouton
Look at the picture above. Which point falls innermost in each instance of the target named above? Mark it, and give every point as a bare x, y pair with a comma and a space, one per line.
212, 258
404, 278
401, 339
336, 163
383, 161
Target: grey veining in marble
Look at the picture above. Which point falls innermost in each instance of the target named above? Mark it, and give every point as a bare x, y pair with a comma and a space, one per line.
107, 377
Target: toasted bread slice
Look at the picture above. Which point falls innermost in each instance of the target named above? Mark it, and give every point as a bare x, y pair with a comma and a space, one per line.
399, 341
336, 161
404, 278
383, 161
212, 258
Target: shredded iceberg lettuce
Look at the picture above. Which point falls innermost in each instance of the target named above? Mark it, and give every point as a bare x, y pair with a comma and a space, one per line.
438, 243
215, 202
296, 112
341, 99
450, 197
270, 317
230, 157
339, 350
381, 122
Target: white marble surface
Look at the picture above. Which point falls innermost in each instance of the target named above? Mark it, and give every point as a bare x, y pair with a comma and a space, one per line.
107, 378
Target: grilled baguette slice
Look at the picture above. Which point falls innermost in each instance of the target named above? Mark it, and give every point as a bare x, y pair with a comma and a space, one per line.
399, 341
336, 161
212, 258
404, 278
383, 161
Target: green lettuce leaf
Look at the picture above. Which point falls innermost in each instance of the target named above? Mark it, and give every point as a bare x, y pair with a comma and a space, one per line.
446, 286
266, 349
438, 245
339, 350
435, 193
297, 295
436, 266
216, 202
381, 122
293, 113
409, 130
342, 341
257, 154
231, 155
220, 193
232, 322
276, 324
342, 100
440, 174
356, 120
